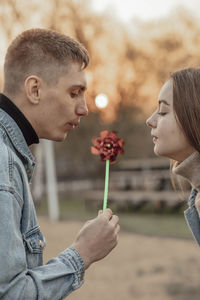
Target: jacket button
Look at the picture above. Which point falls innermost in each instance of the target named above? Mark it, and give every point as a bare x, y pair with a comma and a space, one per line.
41, 243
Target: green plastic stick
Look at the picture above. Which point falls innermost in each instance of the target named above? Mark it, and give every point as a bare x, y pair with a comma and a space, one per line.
106, 185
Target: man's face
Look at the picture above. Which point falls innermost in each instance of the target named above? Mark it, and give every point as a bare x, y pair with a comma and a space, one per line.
62, 105
168, 137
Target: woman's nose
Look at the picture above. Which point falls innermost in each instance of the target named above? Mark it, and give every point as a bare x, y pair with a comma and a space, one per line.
151, 121
148, 122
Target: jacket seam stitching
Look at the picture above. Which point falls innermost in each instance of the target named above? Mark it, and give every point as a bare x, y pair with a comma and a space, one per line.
10, 189
10, 165
14, 142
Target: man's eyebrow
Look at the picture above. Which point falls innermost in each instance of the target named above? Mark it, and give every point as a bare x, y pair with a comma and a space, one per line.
79, 86
163, 101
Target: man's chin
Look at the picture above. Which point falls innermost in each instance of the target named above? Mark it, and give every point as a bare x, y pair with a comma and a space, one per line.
60, 138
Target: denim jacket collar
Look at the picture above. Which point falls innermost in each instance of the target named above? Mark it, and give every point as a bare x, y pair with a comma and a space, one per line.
18, 141
191, 200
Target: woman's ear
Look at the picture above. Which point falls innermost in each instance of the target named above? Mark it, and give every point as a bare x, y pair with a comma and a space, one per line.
32, 87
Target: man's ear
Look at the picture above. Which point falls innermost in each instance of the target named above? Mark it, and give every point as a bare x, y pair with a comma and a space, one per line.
32, 86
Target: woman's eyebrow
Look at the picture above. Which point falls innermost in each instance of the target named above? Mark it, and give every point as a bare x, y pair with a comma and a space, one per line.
163, 101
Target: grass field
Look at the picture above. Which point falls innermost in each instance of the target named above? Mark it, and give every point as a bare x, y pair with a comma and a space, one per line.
145, 221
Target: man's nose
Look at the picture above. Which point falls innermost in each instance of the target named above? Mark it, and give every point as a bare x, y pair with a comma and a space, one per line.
82, 109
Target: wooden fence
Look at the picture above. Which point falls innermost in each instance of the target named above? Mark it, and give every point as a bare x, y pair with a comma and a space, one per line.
136, 183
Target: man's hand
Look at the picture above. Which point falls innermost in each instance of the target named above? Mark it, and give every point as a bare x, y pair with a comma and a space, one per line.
97, 237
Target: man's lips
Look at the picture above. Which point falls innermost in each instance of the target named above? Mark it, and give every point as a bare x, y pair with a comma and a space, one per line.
73, 125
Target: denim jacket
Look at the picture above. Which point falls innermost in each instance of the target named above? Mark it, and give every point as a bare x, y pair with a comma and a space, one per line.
192, 216
22, 273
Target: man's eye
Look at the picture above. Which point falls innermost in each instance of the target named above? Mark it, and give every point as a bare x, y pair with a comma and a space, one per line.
73, 95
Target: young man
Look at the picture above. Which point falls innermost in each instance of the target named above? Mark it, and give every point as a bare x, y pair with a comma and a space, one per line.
43, 97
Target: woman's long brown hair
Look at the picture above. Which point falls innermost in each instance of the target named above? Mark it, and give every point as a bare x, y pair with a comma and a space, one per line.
186, 104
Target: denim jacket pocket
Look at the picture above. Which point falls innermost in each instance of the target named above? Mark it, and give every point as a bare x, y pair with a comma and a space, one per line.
34, 243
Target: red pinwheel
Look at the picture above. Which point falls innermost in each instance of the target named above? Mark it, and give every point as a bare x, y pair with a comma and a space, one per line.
108, 146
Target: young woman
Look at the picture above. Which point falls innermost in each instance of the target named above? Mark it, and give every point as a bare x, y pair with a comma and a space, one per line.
175, 128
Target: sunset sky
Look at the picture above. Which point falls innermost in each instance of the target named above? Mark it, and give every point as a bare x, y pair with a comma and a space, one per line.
146, 10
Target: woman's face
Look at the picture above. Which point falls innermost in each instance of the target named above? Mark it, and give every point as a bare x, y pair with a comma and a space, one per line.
167, 135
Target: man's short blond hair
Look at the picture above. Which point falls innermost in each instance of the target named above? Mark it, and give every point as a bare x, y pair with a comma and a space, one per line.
41, 52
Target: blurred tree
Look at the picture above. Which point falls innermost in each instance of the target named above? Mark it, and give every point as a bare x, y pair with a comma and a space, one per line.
128, 63
170, 44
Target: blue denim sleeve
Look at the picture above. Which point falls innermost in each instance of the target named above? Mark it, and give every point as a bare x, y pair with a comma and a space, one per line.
54, 280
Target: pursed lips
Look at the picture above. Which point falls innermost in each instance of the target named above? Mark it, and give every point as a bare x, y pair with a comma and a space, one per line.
154, 137
73, 124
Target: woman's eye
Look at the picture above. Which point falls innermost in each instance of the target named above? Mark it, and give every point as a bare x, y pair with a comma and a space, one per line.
161, 113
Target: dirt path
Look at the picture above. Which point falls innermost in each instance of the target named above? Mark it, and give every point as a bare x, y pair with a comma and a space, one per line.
141, 268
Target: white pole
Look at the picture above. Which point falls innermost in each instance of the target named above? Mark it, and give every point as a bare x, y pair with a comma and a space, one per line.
51, 182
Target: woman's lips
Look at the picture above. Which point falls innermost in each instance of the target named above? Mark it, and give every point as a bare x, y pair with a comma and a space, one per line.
154, 139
